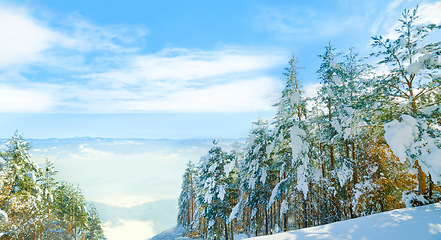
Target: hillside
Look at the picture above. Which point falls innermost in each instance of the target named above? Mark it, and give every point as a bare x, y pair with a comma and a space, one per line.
403, 224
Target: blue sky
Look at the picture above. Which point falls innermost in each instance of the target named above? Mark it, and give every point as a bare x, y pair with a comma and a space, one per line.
168, 69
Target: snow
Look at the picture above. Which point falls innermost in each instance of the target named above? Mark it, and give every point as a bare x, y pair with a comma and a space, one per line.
299, 147
424, 57
404, 224
296, 141
270, 148
284, 206
400, 135
252, 182
274, 194
263, 175
344, 174
3, 216
229, 167
434, 60
302, 181
31, 176
221, 193
178, 233
295, 97
171, 234
337, 80
257, 149
212, 168
414, 68
402, 41
408, 199
430, 110
433, 160
430, 155
334, 64
234, 212
208, 197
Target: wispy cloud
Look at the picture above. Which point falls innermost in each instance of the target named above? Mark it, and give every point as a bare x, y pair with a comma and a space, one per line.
387, 20
305, 22
76, 66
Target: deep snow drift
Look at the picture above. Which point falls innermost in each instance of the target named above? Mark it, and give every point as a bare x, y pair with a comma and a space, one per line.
403, 224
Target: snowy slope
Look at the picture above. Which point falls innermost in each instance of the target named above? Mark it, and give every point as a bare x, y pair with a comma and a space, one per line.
420, 223
404, 224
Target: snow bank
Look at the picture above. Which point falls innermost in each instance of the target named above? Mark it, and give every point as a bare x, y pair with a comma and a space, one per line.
404, 224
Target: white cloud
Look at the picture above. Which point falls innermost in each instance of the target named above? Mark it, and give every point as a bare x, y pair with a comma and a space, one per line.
59, 43
429, 13
182, 80
247, 95
63, 65
22, 38
13, 99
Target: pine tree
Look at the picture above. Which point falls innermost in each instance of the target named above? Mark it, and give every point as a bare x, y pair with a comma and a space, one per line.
409, 93
217, 190
187, 198
260, 177
291, 149
20, 193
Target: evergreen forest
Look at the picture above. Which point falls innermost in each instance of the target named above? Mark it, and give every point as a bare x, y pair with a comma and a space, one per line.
368, 142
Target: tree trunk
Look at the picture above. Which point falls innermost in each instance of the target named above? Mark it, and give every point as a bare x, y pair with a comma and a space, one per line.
191, 198
355, 168
331, 153
266, 221
305, 214
422, 189
226, 229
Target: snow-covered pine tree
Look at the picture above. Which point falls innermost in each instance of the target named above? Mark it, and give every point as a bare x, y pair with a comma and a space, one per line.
48, 185
328, 101
260, 177
291, 148
94, 229
187, 198
348, 121
408, 96
20, 194
217, 191
70, 207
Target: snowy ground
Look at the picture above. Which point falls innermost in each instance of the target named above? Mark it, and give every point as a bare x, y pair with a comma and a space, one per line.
403, 224
408, 223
